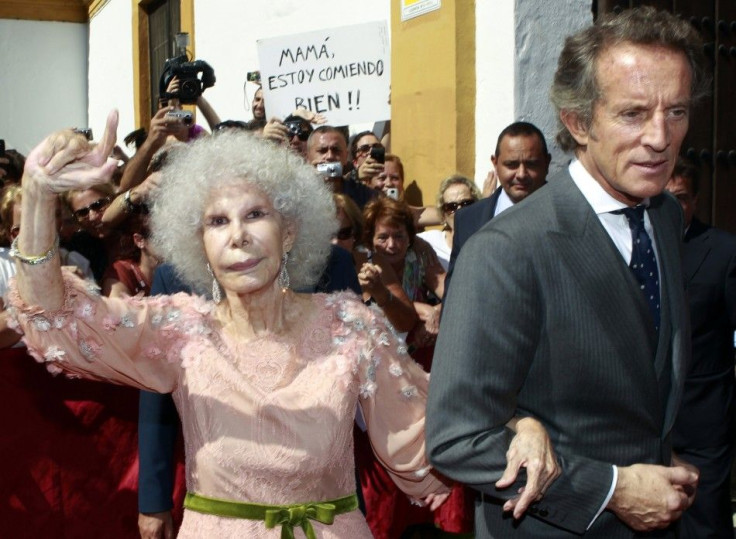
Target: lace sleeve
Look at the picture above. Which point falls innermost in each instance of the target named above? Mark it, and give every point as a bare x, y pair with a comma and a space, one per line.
393, 397
131, 341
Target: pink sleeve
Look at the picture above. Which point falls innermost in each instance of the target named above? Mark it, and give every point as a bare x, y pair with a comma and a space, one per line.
132, 341
393, 398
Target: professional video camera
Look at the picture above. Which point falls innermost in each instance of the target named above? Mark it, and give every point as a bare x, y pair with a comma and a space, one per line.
191, 84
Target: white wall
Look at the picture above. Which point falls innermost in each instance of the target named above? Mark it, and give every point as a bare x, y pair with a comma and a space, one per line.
43, 85
495, 78
226, 32
111, 67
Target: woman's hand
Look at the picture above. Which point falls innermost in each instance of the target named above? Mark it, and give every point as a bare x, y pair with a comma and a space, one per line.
434, 501
532, 449
66, 160
369, 278
311, 117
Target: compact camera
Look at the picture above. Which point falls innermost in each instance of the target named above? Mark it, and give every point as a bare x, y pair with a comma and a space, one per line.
194, 77
183, 116
392, 192
330, 170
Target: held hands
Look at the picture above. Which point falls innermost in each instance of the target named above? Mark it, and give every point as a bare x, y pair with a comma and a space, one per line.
66, 160
648, 497
532, 449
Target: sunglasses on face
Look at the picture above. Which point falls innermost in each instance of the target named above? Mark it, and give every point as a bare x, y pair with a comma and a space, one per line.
96, 206
365, 148
452, 207
345, 233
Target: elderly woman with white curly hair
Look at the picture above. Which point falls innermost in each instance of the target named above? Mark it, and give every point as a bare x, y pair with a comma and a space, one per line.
266, 380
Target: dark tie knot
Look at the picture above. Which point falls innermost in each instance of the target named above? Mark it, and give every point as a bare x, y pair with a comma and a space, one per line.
635, 215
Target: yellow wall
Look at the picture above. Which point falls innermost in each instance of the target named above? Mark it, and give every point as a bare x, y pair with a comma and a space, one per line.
141, 64
433, 96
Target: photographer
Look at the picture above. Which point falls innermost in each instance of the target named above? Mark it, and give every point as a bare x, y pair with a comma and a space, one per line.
170, 122
294, 130
367, 154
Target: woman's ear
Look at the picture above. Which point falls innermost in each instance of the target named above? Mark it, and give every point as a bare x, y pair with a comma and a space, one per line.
139, 240
288, 237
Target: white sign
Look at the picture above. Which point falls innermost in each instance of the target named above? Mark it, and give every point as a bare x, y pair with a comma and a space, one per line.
414, 8
343, 73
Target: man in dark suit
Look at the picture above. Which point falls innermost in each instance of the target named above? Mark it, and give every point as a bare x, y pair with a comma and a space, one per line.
569, 307
521, 161
704, 430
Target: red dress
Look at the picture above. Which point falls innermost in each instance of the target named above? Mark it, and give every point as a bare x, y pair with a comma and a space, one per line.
68, 454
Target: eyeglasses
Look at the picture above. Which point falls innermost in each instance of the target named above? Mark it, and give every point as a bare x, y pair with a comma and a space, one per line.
345, 233
452, 207
365, 148
96, 206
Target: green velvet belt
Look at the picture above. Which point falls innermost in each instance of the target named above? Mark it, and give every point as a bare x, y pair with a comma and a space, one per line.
286, 516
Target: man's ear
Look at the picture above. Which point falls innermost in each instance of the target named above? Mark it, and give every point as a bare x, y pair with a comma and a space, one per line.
576, 126
494, 159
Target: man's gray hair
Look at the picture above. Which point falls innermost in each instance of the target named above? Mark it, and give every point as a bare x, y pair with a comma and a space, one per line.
575, 87
196, 171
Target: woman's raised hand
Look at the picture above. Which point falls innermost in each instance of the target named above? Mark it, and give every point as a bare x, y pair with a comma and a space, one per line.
532, 449
67, 160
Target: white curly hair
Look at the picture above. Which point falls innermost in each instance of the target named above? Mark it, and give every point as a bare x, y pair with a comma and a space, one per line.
193, 171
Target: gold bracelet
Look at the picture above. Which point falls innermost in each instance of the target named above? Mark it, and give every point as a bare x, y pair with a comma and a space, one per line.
33, 260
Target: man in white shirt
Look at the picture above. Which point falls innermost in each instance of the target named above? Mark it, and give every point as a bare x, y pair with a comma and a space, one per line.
569, 307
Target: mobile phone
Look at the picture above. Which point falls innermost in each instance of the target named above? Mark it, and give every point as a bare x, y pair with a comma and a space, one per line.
392, 192
378, 154
2, 147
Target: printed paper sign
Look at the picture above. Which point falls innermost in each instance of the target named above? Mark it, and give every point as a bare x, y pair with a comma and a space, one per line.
343, 73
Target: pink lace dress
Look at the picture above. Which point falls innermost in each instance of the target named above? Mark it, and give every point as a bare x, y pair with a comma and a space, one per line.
270, 422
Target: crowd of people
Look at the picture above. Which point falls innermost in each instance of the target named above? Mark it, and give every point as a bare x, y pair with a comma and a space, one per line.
270, 308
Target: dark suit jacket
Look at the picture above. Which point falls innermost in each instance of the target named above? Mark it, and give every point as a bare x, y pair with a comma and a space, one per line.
709, 265
468, 221
544, 318
704, 430
158, 421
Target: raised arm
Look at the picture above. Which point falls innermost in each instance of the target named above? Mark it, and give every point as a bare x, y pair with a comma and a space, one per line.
65, 160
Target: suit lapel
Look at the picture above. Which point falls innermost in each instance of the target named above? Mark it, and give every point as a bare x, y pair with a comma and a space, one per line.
669, 360
591, 256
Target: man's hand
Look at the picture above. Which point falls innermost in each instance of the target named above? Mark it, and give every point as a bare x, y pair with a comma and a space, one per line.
648, 497
532, 449
688, 489
156, 525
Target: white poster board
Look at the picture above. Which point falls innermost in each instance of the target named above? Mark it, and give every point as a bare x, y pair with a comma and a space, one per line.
343, 73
